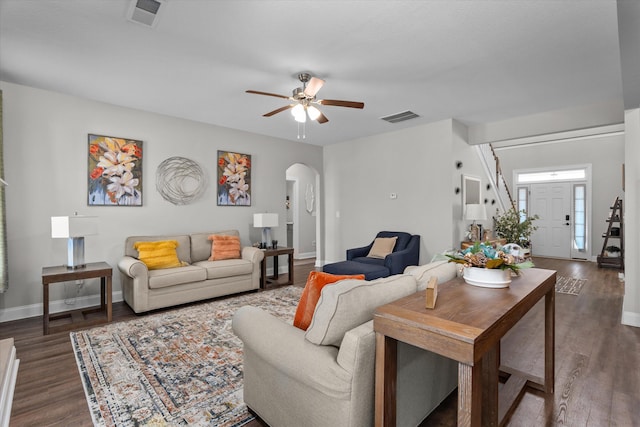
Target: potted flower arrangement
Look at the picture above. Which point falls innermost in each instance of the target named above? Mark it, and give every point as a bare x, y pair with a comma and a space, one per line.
612, 251
509, 226
487, 266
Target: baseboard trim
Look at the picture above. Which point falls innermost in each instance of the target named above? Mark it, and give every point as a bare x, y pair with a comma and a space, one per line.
34, 310
306, 255
631, 318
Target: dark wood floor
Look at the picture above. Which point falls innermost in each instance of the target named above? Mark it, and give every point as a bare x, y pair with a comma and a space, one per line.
597, 362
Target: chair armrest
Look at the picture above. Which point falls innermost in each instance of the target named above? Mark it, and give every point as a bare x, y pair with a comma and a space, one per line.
396, 262
358, 252
133, 268
252, 254
284, 347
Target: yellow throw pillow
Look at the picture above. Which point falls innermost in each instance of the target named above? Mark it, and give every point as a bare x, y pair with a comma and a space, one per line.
160, 254
382, 246
224, 247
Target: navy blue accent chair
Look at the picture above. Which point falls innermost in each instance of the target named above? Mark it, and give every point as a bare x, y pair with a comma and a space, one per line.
405, 252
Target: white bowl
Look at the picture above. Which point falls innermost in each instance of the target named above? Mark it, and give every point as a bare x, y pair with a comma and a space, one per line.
487, 277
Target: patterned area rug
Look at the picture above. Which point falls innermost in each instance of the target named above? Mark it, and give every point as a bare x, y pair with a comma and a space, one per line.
569, 285
182, 367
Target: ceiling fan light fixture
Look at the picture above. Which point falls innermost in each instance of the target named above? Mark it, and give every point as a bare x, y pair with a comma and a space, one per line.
299, 113
313, 112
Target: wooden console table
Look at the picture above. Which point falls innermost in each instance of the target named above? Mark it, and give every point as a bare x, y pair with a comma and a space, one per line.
466, 325
63, 274
275, 253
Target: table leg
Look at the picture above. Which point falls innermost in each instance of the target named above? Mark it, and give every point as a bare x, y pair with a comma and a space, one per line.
102, 293
45, 308
291, 268
275, 267
109, 302
490, 395
263, 273
385, 382
549, 340
469, 395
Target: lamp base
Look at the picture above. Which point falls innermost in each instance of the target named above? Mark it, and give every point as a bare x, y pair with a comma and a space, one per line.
266, 236
75, 253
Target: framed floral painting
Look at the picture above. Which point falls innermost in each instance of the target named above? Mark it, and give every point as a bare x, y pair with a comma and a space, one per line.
234, 179
115, 171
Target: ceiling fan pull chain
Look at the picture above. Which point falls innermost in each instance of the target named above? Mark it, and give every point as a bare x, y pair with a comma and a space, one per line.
304, 133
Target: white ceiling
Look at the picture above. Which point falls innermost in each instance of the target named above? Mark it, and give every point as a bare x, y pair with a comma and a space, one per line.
475, 61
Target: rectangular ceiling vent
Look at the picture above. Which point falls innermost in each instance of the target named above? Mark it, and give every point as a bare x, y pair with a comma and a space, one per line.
144, 12
400, 117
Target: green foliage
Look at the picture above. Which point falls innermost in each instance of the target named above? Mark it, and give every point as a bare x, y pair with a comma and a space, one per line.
509, 227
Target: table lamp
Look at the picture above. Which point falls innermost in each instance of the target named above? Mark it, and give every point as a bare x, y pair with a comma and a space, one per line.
475, 212
74, 228
265, 221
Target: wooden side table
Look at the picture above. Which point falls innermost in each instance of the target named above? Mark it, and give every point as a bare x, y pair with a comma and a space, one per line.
275, 253
466, 325
78, 317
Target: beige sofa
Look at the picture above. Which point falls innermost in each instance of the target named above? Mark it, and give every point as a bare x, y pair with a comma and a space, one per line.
145, 289
325, 376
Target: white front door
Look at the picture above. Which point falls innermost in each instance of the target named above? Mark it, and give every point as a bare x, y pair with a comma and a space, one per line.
552, 203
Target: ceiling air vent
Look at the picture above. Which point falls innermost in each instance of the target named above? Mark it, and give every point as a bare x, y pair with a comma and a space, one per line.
400, 117
144, 12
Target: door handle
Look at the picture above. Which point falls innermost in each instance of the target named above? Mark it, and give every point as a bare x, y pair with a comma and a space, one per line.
566, 223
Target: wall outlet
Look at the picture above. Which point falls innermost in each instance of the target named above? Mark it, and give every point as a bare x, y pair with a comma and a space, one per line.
313, 243
393, 196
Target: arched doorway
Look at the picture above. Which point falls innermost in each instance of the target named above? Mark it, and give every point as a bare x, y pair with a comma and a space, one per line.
303, 213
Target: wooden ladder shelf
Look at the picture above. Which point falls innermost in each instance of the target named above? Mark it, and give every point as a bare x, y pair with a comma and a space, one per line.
615, 232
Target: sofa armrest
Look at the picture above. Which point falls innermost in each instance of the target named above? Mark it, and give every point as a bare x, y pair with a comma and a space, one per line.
358, 252
133, 268
396, 262
252, 254
284, 347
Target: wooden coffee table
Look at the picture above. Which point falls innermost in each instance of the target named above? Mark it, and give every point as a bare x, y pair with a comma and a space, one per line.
466, 325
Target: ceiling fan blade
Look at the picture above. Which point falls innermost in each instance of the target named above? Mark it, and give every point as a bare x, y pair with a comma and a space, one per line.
313, 87
338, 103
279, 110
257, 92
322, 118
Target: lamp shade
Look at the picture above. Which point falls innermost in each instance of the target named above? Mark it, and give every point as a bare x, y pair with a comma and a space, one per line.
265, 220
475, 212
73, 226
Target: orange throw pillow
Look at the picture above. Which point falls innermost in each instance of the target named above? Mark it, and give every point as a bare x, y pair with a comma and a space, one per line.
311, 294
224, 247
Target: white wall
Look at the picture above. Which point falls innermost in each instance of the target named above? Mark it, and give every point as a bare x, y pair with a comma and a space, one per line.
471, 165
606, 155
631, 304
360, 175
45, 155
306, 221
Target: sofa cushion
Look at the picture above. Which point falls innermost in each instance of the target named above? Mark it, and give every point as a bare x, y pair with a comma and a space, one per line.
176, 276
442, 270
382, 246
349, 303
158, 255
311, 293
370, 271
201, 245
369, 260
224, 247
183, 250
225, 268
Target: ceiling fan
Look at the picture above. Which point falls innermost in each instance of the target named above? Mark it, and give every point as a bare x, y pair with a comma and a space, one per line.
303, 100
